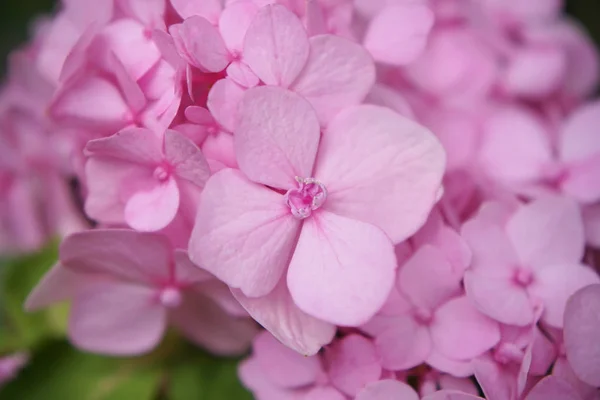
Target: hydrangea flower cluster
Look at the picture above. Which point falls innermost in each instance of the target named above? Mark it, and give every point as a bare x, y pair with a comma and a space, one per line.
404, 194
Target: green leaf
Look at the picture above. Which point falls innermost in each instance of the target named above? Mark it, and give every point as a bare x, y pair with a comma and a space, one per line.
60, 372
20, 330
203, 377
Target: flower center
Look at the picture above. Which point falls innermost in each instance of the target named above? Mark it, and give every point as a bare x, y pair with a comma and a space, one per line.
162, 172
508, 352
523, 276
309, 196
170, 297
422, 315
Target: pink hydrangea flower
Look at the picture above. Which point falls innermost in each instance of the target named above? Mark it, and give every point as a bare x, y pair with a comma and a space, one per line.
349, 369
532, 260
126, 287
143, 178
299, 208
428, 319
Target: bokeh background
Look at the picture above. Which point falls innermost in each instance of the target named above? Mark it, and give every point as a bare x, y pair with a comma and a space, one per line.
56, 370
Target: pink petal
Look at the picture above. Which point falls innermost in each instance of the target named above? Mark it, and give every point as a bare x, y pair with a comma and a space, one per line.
186, 157
283, 366
370, 155
582, 324
496, 383
278, 314
146, 11
244, 233
91, 101
517, 135
123, 254
252, 376
499, 298
153, 209
461, 332
551, 388
342, 269
135, 145
492, 250
404, 344
428, 279
458, 368
398, 34
451, 395
547, 231
323, 393
187, 272
353, 364
579, 138
234, 23
580, 180
522, 77
223, 102
117, 319
387, 389
198, 41
276, 45
277, 137
204, 322
554, 285
209, 9
591, 219
338, 74
241, 74
58, 284
124, 35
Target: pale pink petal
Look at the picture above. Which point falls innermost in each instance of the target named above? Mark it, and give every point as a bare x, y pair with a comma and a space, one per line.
223, 102
131, 90
119, 253
554, 285
428, 279
370, 155
198, 41
591, 219
496, 382
353, 363
499, 298
323, 393
91, 101
387, 389
135, 145
582, 324
403, 344
461, 332
276, 45
492, 250
451, 395
186, 157
283, 366
398, 34
579, 137
235, 21
342, 269
253, 378
278, 314
338, 74
516, 146
277, 137
146, 11
117, 319
187, 272
523, 76
244, 233
581, 180
241, 74
209, 9
458, 368
204, 322
153, 209
387, 96
547, 231
124, 35
58, 284
552, 388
